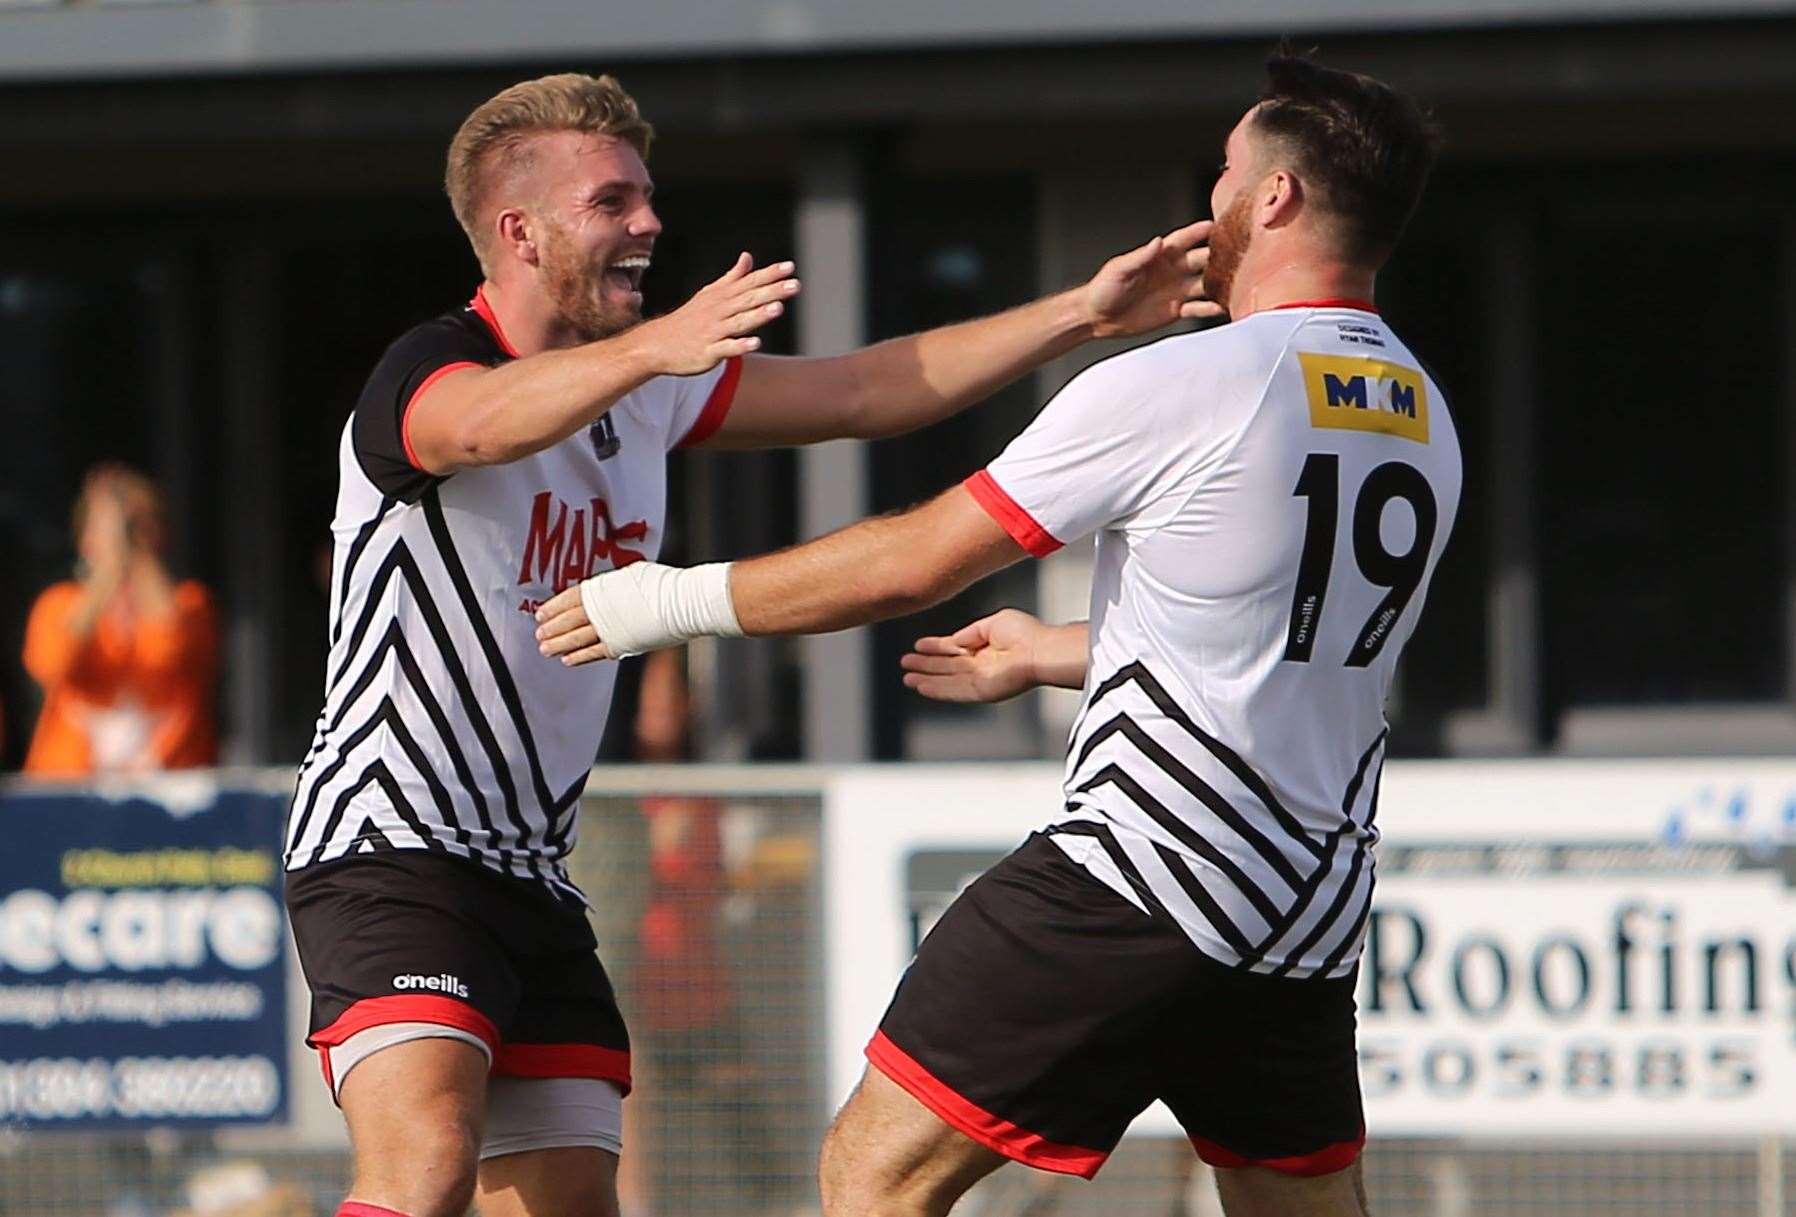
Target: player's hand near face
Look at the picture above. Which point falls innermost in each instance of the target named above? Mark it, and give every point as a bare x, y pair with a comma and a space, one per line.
492, 416
1152, 285
718, 322
996, 658
904, 383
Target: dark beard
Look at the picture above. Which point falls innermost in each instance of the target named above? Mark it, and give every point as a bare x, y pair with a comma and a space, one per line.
575, 288
1229, 240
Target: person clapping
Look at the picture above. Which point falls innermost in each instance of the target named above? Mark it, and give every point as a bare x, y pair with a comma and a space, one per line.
126, 655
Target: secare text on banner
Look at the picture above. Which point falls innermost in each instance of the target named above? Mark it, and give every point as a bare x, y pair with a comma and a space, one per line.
142, 957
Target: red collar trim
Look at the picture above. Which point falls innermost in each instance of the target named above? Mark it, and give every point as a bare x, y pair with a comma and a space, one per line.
1364, 306
481, 305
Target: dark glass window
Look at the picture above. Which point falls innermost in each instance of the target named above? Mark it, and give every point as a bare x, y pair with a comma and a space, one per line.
1661, 447
85, 382
335, 320
1433, 294
945, 250
731, 504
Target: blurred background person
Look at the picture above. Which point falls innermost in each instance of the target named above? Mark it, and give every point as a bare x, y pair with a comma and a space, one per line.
125, 654
698, 891
243, 1189
696, 1127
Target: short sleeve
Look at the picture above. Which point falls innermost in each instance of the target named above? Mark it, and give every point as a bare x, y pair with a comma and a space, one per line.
701, 403
1097, 454
410, 366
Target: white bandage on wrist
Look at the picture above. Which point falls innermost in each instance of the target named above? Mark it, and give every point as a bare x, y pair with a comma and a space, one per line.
646, 606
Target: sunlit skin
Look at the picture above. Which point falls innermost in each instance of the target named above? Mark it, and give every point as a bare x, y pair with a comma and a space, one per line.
567, 236
564, 238
1273, 243
583, 204
1266, 248
1133, 293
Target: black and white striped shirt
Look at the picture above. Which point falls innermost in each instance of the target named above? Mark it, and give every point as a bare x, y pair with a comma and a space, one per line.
443, 728
1271, 499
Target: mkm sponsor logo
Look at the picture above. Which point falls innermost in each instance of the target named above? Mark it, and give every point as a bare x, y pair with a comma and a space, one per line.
1352, 393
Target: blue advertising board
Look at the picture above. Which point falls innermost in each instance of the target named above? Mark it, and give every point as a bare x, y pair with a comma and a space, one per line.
142, 959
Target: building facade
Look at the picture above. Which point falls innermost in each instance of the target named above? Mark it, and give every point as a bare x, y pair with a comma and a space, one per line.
214, 216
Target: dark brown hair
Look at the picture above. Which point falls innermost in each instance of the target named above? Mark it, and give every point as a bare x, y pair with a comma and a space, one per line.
1362, 149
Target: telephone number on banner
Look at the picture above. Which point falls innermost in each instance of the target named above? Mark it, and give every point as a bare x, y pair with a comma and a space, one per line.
1589, 1068
140, 1088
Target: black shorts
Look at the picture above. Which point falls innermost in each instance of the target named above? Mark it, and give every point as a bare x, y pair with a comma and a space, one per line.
410, 937
1044, 1012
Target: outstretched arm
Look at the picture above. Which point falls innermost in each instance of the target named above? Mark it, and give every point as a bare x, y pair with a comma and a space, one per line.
1106, 445
997, 657
879, 568
907, 383
488, 416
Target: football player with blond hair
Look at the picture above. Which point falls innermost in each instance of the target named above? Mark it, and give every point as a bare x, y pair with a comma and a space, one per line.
499, 455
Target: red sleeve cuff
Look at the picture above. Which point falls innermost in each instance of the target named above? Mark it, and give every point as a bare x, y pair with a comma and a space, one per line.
405, 420
1010, 517
717, 406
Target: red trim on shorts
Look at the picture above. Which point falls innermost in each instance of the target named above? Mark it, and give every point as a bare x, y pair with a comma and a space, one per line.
355, 1208
1364, 306
1325, 1161
717, 406
564, 1061
407, 1008
993, 1132
405, 420
1010, 517
481, 305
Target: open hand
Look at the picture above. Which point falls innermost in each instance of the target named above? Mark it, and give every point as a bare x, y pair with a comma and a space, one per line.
991, 660
720, 319
1152, 285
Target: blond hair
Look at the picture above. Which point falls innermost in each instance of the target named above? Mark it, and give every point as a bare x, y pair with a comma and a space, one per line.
495, 140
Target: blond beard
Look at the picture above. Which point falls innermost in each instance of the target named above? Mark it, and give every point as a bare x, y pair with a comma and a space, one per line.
576, 291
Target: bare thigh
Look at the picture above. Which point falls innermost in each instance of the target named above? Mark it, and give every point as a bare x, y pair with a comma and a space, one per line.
567, 1181
415, 1113
1254, 1191
886, 1153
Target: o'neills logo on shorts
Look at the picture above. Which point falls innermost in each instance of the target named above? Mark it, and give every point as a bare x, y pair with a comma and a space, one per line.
440, 983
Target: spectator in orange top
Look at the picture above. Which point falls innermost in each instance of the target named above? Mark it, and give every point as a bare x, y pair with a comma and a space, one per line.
125, 654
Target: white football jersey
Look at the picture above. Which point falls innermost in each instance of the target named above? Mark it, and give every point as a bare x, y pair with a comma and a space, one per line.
443, 728
1270, 500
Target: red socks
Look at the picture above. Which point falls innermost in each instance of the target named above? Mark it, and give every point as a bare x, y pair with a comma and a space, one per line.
355, 1208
